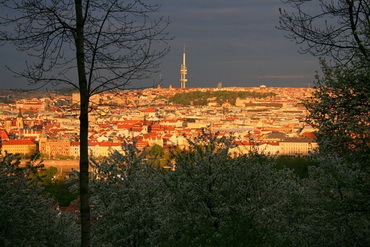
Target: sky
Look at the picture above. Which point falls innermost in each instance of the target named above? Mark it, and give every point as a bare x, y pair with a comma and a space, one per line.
234, 42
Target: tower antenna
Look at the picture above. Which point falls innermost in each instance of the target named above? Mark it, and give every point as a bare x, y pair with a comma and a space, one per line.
183, 71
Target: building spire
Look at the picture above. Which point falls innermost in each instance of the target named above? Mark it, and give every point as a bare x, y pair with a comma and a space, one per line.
19, 112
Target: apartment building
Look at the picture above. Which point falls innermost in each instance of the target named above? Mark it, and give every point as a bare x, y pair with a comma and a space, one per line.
25, 147
297, 146
53, 148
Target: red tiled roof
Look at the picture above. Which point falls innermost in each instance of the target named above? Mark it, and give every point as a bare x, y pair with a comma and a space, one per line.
109, 144
150, 110
3, 135
309, 135
142, 143
137, 128
18, 142
169, 120
128, 121
167, 136
125, 126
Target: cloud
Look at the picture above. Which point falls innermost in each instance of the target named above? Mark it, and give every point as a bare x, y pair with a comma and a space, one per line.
219, 11
284, 76
229, 41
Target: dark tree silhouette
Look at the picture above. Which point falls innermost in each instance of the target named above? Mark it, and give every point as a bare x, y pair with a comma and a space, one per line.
339, 107
91, 45
340, 111
339, 29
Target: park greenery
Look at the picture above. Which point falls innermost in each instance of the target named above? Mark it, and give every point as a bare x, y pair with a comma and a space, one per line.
203, 197
57, 186
212, 199
28, 217
202, 98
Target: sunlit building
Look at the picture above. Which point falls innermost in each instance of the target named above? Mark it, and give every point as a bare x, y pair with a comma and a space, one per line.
54, 148
297, 146
25, 147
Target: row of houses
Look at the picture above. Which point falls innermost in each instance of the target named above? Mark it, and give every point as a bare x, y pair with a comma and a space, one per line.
55, 149
289, 146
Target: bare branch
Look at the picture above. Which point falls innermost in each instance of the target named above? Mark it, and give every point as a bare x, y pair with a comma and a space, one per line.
339, 29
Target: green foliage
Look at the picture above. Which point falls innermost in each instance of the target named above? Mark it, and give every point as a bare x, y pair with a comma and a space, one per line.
219, 201
27, 217
299, 165
59, 189
63, 157
201, 98
211, 199
340, 110
49, 174
158, 156
336, 206
56, 186
126, 196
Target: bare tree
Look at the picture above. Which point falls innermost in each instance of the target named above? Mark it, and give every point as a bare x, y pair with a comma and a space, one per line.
339, 29
91, 45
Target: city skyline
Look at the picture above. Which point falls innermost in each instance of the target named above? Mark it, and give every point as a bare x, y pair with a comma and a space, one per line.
235, 43
159, 117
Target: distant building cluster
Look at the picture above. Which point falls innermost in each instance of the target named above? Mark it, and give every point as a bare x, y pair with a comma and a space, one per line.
273, 125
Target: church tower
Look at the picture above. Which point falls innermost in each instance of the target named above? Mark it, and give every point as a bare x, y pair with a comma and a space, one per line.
183, 71
19, 121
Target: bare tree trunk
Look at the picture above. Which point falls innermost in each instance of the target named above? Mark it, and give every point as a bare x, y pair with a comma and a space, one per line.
84, 125
47, 30
84, 173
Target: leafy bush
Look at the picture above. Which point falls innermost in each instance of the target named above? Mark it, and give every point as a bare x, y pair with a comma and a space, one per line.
211, 199
27, 218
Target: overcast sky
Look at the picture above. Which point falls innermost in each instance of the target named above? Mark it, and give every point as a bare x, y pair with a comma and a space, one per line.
234, 42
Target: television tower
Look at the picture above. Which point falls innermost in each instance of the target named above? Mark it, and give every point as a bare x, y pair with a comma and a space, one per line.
183, 71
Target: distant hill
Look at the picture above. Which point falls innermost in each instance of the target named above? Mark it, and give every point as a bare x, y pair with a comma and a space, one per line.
12, 95
202, 98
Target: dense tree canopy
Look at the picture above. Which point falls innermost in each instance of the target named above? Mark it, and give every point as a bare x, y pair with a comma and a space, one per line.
340, 110
27, 216
211, 199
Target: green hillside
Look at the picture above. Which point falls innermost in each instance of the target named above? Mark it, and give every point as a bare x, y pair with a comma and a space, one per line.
201, 98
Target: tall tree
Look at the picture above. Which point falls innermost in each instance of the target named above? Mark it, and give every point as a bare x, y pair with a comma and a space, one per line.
91, 45
340, 110
340, 105
338, 29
